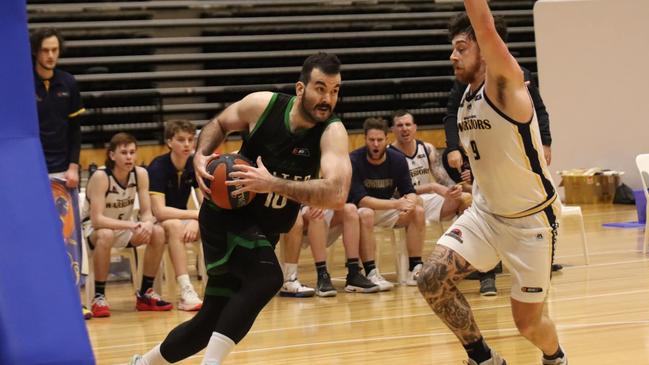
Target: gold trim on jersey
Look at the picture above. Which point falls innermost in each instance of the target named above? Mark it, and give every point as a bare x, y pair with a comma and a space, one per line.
156, 193
533, 210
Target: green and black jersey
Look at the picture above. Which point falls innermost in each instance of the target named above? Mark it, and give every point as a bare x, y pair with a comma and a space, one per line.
286, 154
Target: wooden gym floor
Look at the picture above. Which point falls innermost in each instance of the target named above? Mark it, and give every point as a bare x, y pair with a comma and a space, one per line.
601, 311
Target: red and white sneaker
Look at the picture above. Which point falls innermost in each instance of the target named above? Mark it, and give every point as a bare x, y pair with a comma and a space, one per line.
99, 307
151, 301
189, 300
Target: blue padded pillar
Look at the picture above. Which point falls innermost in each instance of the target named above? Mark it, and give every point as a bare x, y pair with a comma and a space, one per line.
40, 310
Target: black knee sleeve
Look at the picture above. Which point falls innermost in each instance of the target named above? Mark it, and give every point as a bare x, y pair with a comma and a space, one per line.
261, 277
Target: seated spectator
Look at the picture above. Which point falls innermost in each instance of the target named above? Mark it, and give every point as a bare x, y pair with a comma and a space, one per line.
172, 178
108, 222
377, 172
442, 198
319, 229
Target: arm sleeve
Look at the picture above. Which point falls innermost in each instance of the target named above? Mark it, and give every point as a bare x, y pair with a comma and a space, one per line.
401, 174
541, 112
450, 119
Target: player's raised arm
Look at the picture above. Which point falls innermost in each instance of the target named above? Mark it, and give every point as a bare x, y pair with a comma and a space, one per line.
500, 63
240, 116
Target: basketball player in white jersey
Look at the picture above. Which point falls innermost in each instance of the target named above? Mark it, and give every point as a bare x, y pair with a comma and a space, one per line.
515, 205
441, 196
108, 222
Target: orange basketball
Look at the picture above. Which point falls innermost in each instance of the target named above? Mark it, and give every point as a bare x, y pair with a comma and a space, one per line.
221, 193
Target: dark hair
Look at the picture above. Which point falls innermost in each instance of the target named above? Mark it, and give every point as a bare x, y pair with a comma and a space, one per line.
37, 37
174, 126
375, 123
400, 113
328, 63
461, 24
118, 140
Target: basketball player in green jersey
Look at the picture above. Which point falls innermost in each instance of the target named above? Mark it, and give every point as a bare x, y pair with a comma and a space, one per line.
290, 138
515, 206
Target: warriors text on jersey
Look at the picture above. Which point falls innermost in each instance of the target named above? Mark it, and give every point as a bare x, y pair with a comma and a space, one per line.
511, 176
286, 154
120, 200
419, 165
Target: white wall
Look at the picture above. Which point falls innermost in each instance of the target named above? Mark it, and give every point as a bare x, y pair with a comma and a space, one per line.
593, 62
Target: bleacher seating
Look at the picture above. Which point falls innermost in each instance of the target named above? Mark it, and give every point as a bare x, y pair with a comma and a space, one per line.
141, 62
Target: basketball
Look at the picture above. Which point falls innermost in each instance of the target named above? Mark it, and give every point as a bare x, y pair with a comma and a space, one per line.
221, 194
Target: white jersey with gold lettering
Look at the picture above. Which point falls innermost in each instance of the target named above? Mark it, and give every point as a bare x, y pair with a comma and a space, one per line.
120, 200
511, 176
419, 165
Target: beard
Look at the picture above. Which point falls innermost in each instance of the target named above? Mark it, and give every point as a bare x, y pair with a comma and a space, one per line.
467, 74
376, 156
310, 112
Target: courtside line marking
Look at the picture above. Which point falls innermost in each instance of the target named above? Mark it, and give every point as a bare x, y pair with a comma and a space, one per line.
501, 331
506, 305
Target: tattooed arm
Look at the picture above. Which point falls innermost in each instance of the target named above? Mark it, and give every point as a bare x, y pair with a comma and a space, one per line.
437, 282
240, 116
328, 192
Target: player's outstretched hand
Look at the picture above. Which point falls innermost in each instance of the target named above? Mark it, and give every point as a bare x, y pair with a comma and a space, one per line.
200, 169
251, 178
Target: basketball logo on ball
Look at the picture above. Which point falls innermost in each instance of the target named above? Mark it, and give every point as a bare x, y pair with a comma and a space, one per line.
221, 194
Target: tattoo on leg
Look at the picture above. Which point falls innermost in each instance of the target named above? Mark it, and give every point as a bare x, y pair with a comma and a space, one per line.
437, 283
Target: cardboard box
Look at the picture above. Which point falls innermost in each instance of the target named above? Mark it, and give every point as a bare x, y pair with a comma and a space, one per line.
589, 189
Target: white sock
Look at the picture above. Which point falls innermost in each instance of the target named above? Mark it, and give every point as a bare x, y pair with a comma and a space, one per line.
183, 280
217, 349
290, 271
153, 357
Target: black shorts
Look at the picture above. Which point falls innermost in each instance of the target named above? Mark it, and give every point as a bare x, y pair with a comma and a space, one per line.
224, 230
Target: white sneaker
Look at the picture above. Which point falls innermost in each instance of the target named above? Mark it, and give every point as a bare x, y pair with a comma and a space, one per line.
189, 299
494, 360
377, 279
412, 275
135, 360
293, 288
559, 361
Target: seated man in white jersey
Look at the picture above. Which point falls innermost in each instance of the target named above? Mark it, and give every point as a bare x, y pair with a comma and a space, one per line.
319, 229
108, 222
515, 206
442, 198
378, 173
172, 179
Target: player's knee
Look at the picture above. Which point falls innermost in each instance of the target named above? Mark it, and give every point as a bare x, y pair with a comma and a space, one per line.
350, 211
157, 236
526, 326
104, 238
270, 280
366, 217
431, 278
173, 227
419, 214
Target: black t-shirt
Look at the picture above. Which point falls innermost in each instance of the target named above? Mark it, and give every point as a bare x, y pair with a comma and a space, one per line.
379, 181
174, 184
286, 154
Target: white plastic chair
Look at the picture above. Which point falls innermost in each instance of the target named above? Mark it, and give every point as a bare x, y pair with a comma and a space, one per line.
642, 161
574, 212
197, 247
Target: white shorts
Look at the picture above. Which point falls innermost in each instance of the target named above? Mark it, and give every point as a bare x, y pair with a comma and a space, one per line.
122, 236
432, 206
525, 246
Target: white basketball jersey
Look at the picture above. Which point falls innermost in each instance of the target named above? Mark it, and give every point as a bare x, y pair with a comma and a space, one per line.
511, 176
120, 200
419, 165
